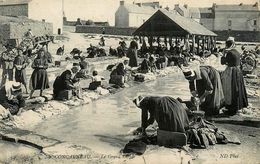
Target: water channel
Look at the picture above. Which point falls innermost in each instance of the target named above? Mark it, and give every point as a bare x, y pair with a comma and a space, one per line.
104, 124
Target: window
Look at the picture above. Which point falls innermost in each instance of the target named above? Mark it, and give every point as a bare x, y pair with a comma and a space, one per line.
229, 23
255, 23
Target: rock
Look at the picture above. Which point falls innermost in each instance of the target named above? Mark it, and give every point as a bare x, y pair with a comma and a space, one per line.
38, 100
28, 138
72, 102
4, 113
58, 105
102, 91
27, 119
66, 149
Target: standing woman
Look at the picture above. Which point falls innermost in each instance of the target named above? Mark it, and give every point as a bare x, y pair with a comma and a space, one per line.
232, 79
20, 64
132, 54
39, 78
205, 83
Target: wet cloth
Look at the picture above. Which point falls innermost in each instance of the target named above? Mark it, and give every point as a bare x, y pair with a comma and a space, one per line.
136, 147
20, 63
168, 113
39, 78
209, 81
233, 82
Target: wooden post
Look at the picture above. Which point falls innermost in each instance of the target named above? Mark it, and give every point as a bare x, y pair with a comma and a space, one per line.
214, 41
193, 43
198, 45
140, 39
165, 41
187, 43
203, 44
211, 43
170, 41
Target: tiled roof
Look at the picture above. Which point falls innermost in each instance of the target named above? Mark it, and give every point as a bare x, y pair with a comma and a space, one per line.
189, 25
13, 2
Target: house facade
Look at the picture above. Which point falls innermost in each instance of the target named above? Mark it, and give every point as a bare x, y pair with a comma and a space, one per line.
47, 11
237, 17
134, 15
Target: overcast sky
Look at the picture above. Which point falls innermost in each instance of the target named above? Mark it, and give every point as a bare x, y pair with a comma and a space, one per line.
104, 10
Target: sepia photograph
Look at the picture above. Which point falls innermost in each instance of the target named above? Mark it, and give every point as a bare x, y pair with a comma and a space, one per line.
129, 81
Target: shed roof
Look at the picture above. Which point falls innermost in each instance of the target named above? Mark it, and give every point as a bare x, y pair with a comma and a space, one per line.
13, 2
165, 23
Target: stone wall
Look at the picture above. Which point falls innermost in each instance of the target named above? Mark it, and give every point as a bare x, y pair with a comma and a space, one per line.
14, 30
240, 36
108, 30
14, 10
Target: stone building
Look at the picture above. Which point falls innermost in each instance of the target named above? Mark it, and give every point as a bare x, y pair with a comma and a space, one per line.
41, 10
134, 15
188, 12
237, 17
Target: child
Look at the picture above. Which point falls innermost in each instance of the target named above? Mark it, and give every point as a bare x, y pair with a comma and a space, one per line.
96, 81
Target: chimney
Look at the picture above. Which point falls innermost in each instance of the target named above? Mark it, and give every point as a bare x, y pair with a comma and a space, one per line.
139, 4
186, 6
157, 4
122, 3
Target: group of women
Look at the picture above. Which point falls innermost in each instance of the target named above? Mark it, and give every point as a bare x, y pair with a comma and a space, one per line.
214, 90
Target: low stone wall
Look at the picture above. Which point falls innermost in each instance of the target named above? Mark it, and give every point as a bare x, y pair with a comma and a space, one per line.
240, 36
108, 30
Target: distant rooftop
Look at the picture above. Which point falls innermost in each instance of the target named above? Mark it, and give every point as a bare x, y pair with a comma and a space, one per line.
13, 2
143, 8
234, 7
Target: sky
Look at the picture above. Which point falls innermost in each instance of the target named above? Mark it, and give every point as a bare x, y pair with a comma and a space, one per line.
104, 10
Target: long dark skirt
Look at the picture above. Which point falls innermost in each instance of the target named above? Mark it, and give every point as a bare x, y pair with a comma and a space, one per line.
39, 80
234, 89
20, 76
215, 101
171, 115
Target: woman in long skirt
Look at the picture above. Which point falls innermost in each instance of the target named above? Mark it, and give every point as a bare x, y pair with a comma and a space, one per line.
232, 79
167, 111
39, 78
20, 64
132, 54
205, 83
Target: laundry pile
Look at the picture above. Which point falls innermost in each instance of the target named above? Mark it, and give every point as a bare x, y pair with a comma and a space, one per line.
202, 133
